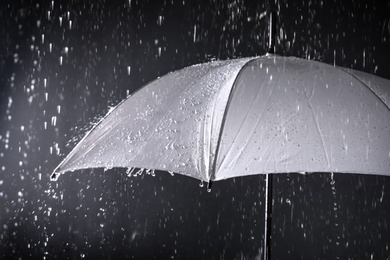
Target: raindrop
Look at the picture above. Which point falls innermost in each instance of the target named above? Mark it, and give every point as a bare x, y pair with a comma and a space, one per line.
364, 58
160, 20
53, 120
16, 58
139, 172
194, 33
9, 102
171, 173
107, 168
332, 182
201, 184
128, 70
129, 171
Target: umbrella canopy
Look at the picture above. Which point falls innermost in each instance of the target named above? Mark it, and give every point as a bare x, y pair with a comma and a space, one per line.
247, 116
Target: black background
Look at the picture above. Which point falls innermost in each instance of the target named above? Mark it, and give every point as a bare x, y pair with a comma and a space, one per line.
95, 214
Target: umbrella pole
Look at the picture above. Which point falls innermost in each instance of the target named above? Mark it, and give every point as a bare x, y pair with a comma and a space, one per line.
268, 177
268, 217
272, 32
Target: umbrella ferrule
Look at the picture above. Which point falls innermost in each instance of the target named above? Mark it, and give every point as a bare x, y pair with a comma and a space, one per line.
271, 32
209, 185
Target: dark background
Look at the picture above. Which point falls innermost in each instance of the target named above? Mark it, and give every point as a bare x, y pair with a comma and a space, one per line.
111, 48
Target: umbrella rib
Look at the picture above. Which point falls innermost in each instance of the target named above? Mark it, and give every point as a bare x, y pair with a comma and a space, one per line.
214, 164
257, 123
205, 155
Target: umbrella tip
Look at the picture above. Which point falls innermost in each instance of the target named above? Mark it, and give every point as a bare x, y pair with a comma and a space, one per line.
54, 176
271, 32
209, 184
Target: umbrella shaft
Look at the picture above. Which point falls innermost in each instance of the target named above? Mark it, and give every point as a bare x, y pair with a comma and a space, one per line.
272, 32
268, 217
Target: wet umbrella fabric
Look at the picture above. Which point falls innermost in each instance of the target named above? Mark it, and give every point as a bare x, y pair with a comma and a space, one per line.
240, 117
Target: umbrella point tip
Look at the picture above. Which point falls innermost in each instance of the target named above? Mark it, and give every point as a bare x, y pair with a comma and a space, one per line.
54, 176
209, 184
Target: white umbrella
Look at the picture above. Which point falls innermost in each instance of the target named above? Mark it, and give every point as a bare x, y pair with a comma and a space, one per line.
247, 116
231, 118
